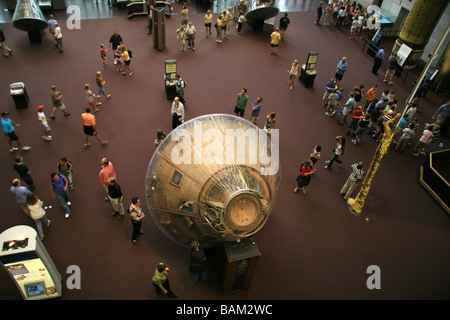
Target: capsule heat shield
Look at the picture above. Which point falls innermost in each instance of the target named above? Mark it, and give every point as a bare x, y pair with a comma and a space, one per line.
213, 179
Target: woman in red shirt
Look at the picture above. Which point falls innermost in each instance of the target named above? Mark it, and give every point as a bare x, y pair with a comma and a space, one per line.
304, 178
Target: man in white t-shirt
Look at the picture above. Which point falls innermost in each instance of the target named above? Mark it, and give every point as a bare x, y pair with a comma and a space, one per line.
58, 38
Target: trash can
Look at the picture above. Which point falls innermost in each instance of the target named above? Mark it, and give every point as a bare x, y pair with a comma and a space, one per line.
19, 95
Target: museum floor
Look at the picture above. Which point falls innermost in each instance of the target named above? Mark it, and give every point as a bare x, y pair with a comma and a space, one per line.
311, 247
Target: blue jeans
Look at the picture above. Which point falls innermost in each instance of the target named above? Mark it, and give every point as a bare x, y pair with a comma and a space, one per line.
63, 199
39, 225
335, 157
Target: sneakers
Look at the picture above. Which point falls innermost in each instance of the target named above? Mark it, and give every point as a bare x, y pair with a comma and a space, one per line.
67, 215
69, 203
104, 143
26, 148
85, 146
47, 138
13, 150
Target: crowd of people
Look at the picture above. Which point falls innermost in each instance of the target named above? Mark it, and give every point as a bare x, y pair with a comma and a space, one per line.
366, 114
371, 116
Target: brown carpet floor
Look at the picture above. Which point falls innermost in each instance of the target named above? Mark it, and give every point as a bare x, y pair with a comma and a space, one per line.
312, 247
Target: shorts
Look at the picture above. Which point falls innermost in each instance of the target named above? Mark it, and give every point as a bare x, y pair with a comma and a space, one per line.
208, 24
12, 136
403, 139
352, 124
127, 62
390, 72
89, 130
360, 131
46, 127
184, 21
339, 76
273, 45
239, 111
326, 94
62, 106
344, 111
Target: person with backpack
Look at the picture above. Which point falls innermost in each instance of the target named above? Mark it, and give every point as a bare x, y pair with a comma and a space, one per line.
180, 87
304, 178
64, 167
59, 189
127, 55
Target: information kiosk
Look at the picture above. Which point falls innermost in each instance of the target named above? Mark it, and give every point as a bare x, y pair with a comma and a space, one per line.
308, 70
26, 260
169, 79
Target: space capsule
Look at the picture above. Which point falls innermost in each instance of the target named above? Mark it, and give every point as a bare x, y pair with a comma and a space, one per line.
213, 179
28, 16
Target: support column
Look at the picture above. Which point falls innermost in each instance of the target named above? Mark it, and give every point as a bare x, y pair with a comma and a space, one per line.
418, 27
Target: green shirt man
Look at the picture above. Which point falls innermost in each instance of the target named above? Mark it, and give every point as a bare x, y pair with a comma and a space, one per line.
241, 103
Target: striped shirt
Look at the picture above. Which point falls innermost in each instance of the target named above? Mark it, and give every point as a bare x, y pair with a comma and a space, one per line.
357, 173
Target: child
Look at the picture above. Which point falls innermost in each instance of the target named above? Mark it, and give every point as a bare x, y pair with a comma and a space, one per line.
100, 83
406, 136
328, 89
103, 54
118, 58
90, 97
43, 121
241, 21
399, 129
385, 95
332, 103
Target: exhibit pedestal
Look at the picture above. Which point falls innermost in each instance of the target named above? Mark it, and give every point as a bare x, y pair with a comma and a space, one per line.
236, 262
307, 77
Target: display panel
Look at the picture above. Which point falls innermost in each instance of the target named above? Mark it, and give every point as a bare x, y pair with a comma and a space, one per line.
33, 278
35, 289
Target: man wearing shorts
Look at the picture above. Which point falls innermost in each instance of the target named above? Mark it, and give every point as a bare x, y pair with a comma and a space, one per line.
57, 103
392, 64
8, 129
341, 68
275, 38
241, 103
89, 129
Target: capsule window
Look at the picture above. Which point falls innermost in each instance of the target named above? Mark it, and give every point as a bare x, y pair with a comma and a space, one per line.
176, 178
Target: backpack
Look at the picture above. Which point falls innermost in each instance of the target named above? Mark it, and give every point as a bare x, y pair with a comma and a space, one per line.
130, 54
63, 179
